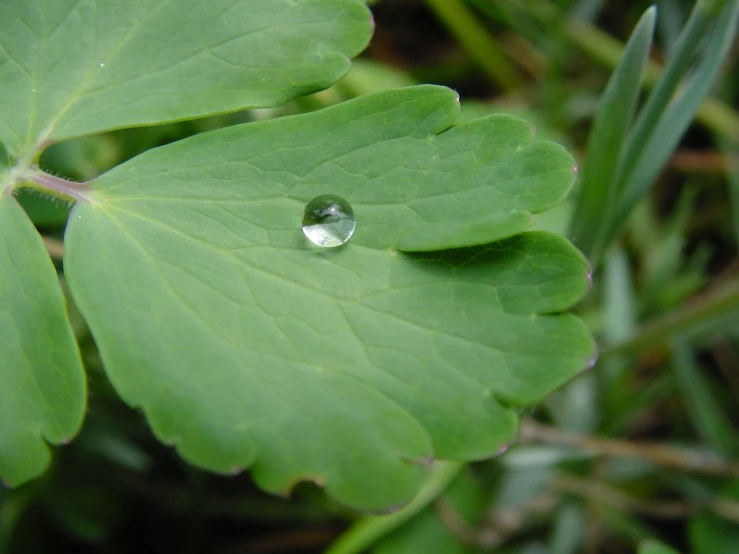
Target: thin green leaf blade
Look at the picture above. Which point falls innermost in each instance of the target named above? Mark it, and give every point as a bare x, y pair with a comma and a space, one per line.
688, 44
612, 121
248, 347
70, 68
42, 386
664, 138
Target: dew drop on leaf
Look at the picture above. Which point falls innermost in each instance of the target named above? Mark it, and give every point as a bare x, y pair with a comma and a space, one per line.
328, 221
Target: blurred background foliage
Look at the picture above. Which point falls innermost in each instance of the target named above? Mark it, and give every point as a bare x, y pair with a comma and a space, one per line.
639, 454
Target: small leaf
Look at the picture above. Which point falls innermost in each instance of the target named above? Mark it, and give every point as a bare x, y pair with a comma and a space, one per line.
42, 386
76, 67
247, 346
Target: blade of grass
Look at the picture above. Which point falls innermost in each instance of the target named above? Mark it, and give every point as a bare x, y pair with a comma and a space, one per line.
708, 419
612, 121
704, 14
604, 49
657, 142
478, 43
619, 303
610, 382
642, 133
670, 24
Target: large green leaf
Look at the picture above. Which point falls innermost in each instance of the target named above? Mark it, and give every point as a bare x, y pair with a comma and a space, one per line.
42, 386
74, 67
248, 347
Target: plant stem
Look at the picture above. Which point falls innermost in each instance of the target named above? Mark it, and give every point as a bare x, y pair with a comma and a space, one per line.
368, 530
57, 186
480, 45
719, 302
667, 456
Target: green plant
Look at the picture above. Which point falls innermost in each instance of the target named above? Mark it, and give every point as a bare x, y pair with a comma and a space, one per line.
185, 288
245, 346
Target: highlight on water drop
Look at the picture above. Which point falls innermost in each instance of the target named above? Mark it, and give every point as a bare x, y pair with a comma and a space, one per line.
328, 221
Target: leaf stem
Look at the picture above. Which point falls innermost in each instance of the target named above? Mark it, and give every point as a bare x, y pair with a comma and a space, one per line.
57, 186
368, 530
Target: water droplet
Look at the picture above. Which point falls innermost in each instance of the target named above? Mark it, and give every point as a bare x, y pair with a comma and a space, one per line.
328, 220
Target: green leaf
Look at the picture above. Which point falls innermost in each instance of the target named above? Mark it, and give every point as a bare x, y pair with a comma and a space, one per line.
691, 38
679, 114
42, 386
248, 347
598, 194
654, 547
75, 67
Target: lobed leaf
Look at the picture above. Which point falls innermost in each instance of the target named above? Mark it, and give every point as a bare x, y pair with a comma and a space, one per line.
75, 67
42, 386
248, 347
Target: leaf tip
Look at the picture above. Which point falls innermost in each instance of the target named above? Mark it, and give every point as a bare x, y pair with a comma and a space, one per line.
649, 18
